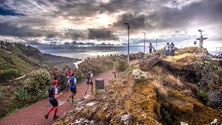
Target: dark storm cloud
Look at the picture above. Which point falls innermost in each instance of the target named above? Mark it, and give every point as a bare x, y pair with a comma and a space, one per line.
11, 30
8, 29
136, 6
76, 35
205, 12
101, 34
77, 8
136, 21
51, 36
8, 12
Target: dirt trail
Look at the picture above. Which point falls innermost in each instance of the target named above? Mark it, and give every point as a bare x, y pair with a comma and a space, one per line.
34, 114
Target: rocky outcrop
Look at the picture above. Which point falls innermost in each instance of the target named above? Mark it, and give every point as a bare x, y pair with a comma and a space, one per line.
197, 69
166, 92
139, 76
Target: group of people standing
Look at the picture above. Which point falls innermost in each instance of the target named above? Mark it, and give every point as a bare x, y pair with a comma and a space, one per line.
170, 49
53, 92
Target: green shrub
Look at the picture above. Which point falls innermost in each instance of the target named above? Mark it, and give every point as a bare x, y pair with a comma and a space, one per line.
9, 74
167, 118
22, 94
8, 59
219, 72
160, 51
37, 81
202, 95
121, 65
1, 95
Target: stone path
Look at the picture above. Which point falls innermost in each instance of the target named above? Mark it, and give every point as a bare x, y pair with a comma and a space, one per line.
34, 114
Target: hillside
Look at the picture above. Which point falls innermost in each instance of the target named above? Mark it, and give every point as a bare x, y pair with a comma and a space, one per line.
23, 59
159, 90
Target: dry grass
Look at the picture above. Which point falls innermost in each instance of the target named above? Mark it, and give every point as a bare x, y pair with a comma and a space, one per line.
174, 81
177, 57
159, 86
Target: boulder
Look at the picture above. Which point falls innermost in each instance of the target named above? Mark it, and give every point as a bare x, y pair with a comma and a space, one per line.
139, 76
214, 97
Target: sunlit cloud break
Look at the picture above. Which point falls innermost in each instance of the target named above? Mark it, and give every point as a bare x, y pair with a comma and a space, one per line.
103, 20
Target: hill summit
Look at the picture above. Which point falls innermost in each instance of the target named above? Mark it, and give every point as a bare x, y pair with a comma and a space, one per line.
158, 90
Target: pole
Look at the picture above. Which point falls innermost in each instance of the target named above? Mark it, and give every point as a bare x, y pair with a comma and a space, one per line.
128, 43
156, 44
128, 26
144, 42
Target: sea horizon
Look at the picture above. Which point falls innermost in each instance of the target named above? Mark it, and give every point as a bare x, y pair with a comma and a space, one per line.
84, 52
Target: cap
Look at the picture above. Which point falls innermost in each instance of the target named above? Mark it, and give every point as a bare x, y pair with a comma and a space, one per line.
54, 82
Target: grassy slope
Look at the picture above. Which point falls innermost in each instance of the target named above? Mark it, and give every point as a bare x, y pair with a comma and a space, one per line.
26, 59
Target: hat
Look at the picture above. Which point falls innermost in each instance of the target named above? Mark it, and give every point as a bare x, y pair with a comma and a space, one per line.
54, 82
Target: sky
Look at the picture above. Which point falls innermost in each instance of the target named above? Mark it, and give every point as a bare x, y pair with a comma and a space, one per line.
102, 21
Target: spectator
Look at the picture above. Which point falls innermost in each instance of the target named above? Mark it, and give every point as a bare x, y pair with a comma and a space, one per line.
150, 48
167, 49
172, 49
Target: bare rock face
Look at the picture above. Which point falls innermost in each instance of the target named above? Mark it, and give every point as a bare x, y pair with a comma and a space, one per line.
139, 76
214, 97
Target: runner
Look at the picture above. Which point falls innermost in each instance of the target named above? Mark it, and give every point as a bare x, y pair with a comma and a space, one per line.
72, 85
53, 94
89, 81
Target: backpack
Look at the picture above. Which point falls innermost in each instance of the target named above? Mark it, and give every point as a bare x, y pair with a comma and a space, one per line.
72, 85
88, 74
72, 80
51, 91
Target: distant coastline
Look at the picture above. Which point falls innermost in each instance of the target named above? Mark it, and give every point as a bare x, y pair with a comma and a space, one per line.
84, 51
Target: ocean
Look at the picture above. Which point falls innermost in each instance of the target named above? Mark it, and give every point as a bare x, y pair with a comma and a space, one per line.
84, 52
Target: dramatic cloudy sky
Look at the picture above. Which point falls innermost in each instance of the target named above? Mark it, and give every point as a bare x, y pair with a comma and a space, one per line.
103, 20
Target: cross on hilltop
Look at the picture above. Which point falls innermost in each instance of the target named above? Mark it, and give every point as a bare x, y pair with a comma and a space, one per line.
201, 39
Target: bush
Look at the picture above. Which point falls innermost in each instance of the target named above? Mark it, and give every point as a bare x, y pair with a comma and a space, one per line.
1, 95
21, 94
9, 74
219, 72
37, 81
202, 95
167, 118
121, 65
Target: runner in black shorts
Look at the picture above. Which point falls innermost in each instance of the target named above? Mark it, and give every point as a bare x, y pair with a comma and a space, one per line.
53, 94
72, 85
89, 81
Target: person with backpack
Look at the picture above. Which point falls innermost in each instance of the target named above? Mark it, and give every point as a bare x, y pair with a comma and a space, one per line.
72, 85
89, 81
52, 95
68, 76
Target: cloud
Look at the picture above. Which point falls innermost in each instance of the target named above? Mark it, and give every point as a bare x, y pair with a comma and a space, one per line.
10, 30
49, 18
101, 34
135, 21
9, 12
204, 12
